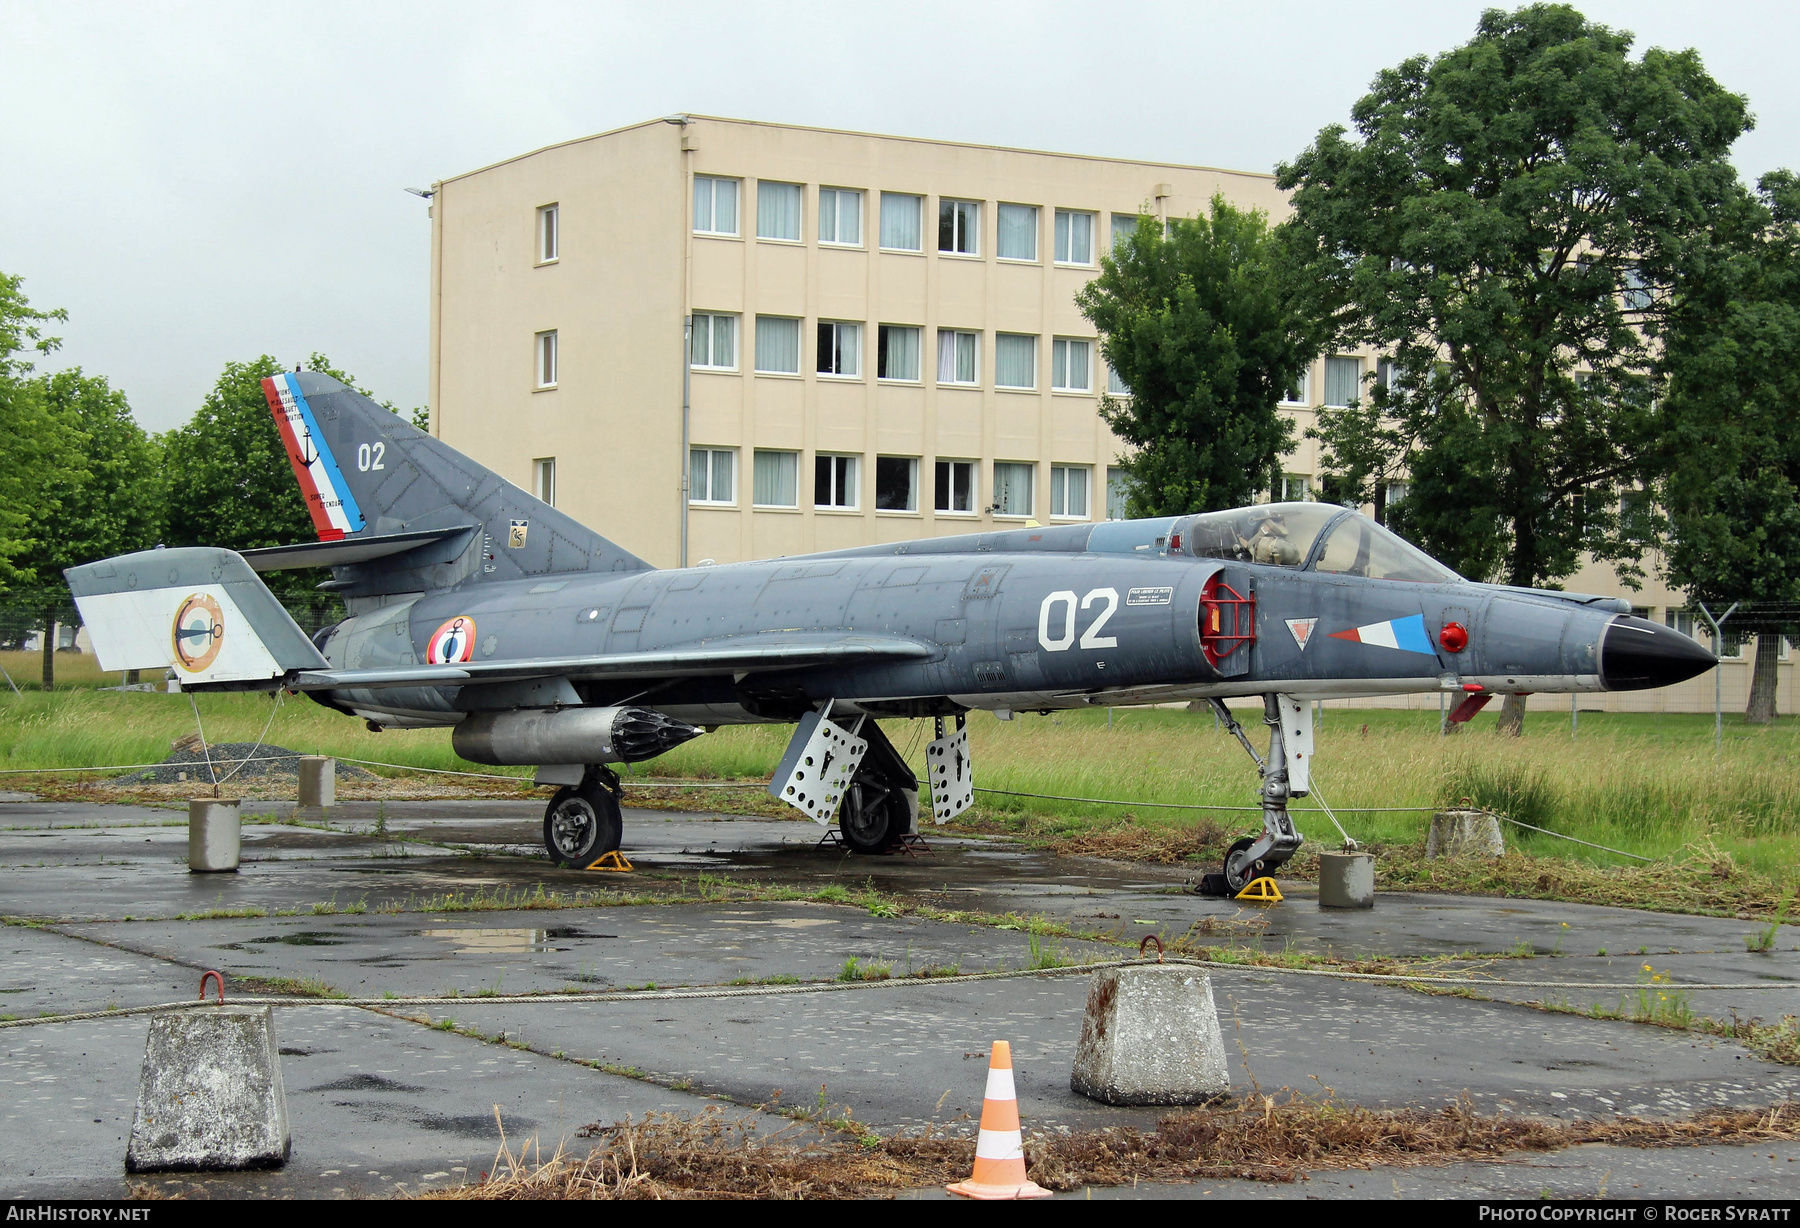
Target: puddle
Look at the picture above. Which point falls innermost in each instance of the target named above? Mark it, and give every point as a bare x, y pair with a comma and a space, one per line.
363, 1083
787, 923
485, 941
299, 938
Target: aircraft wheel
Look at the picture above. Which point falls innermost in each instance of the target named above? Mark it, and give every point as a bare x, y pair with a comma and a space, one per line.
1239, 869
580, 824
872, 818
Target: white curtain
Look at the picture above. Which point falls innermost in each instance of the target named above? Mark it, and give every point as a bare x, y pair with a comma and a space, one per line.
1069, 363
899, 357
1343, 380
840, 216
777, 479
777, 210
778, 345
715, 205
1015, 361
1012, 489
1074, 237
1018, 232
900, 220
956, 357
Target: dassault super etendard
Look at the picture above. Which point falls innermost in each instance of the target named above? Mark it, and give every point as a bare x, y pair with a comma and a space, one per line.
473, 605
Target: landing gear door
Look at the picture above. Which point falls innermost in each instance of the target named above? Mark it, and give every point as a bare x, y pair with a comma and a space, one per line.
1297, 738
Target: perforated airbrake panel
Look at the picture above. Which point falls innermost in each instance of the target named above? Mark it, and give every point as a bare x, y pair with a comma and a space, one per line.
952, 780
817, 767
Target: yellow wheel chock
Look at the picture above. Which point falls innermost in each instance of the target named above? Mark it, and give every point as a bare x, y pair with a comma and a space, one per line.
1261, 891
615, 860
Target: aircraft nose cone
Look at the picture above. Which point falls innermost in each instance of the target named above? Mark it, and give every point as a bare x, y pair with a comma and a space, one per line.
1638, 654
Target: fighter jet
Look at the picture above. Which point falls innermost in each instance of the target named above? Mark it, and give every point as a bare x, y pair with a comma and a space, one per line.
541, 643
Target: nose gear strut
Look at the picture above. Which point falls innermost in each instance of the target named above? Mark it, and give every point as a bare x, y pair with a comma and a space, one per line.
1255, 856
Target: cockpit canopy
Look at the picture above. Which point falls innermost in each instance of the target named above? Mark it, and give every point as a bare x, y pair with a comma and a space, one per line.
1331, 538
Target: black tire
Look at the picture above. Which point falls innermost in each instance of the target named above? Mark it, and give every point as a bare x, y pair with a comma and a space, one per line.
580, 824
872, 818
1238, 871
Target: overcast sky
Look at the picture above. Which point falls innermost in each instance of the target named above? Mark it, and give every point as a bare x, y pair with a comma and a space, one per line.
203, 182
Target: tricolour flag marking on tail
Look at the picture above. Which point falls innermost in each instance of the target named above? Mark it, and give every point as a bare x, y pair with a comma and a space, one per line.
328, 499
1407, 634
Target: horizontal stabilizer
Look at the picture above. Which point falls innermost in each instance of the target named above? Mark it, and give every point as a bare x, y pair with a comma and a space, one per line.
200, 611
757, 654
347, 550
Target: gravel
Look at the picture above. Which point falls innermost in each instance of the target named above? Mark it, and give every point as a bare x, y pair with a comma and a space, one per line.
265, 761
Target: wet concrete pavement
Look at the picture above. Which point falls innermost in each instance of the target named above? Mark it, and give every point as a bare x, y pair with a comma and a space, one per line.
377, 1101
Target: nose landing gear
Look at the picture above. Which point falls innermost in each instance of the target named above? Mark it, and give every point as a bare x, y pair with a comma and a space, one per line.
1255, 856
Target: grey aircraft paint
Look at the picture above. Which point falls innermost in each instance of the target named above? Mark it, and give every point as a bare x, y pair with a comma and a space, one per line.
468, 596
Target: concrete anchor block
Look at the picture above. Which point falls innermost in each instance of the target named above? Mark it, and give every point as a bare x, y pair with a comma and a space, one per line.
1346, 880
1464, 833
1151, 1036
210, 1093
215, 835
318, 782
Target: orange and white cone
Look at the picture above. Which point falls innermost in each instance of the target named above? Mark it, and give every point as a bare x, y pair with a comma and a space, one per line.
1000, 1149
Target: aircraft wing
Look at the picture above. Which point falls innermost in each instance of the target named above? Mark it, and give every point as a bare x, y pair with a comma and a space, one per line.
743, 655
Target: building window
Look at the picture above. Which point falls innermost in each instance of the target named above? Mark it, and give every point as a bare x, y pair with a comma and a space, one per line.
777, 345
715, 206
1387, 374
1074, 237
1012, 488
840, 216
1015, 361
897, 355
1396, 493
546, 359
778, 211
954, 486
957, 355
896, 484
840, 348
712, 475
1343, 381
1124, 225
548, 236
901, 223
543, 479
1297, 395
1071, 364
714, 341
959, 227
1069, 491
834, 481
1296, 488
1114, 385
1017, 237
777, 479
1118, 487
1637, 296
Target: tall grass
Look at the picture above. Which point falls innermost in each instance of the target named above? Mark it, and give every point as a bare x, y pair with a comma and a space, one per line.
1646, 784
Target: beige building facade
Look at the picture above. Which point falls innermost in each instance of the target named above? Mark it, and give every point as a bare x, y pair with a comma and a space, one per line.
716, 340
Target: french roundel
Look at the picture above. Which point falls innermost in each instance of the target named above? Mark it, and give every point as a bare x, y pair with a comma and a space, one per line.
452, 643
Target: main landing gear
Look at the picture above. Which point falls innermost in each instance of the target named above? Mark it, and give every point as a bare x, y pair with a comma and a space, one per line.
583, 821
1255, 856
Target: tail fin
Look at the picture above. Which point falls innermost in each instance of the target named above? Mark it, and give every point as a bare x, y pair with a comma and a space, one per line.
200, 611
367, 472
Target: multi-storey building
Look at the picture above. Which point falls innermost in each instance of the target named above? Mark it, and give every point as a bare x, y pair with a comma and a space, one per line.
718, 340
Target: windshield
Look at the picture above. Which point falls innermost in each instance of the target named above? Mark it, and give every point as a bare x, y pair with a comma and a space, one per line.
1360, 547
1278, 534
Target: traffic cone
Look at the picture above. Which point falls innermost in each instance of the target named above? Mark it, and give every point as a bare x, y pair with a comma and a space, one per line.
999, 1149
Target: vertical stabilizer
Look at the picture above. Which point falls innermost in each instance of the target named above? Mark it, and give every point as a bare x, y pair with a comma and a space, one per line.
365, 471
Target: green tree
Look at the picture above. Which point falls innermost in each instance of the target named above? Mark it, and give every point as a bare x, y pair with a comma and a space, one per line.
1199, 326
1733, 361
1508, 222
34, 457
109, 504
